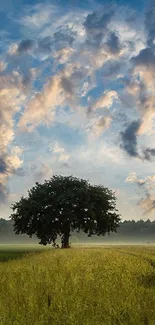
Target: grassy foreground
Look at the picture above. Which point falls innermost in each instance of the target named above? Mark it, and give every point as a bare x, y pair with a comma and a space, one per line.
96, 286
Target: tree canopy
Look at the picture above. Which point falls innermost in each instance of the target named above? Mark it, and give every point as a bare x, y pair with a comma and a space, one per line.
64, 204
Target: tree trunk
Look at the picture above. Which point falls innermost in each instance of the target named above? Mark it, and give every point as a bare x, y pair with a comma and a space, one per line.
65, 238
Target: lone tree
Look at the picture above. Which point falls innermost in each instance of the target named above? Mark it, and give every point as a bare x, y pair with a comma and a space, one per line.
64, 204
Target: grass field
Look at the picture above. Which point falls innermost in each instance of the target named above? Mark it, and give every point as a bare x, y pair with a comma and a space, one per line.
11, 252
80, 286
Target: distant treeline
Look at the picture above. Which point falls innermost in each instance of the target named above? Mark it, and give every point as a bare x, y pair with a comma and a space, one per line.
128, 231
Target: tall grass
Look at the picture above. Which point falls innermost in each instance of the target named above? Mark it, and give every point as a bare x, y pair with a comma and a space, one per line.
100, 286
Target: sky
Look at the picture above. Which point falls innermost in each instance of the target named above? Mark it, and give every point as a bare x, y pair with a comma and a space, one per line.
77, 98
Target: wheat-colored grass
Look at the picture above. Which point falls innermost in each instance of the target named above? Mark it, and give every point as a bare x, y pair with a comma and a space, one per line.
100, 286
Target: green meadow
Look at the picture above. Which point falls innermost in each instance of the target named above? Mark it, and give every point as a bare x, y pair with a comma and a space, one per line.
109, 285
16, 251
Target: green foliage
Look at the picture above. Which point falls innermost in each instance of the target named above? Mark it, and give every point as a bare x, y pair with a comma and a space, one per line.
64, 204
103, 286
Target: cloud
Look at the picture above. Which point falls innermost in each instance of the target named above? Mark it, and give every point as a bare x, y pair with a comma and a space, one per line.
147, 203
143, 70
144, 78
63, 37
25, 46
27, 80
148, 153
147, 120
98, 21
20, 62
96, 25
60, 152
66, 165
100, 125
10, 162
9, 165
141, 95
105, 101
44, 172
113, 45
67, 85
11, 97
3, 165
68, 63
62, 89
146, 57
41, 108
148, 181
38, 16
142, 74
103, 152
44, 47
132, 178
101, 42
72, 81
3, 192
149, 23
52, 28
64, 54
129, 139
112, 68
3, 65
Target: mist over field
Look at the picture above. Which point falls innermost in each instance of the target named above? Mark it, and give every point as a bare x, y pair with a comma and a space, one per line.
129, 232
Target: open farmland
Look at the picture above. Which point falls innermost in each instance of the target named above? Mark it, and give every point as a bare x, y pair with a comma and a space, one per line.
91, 286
